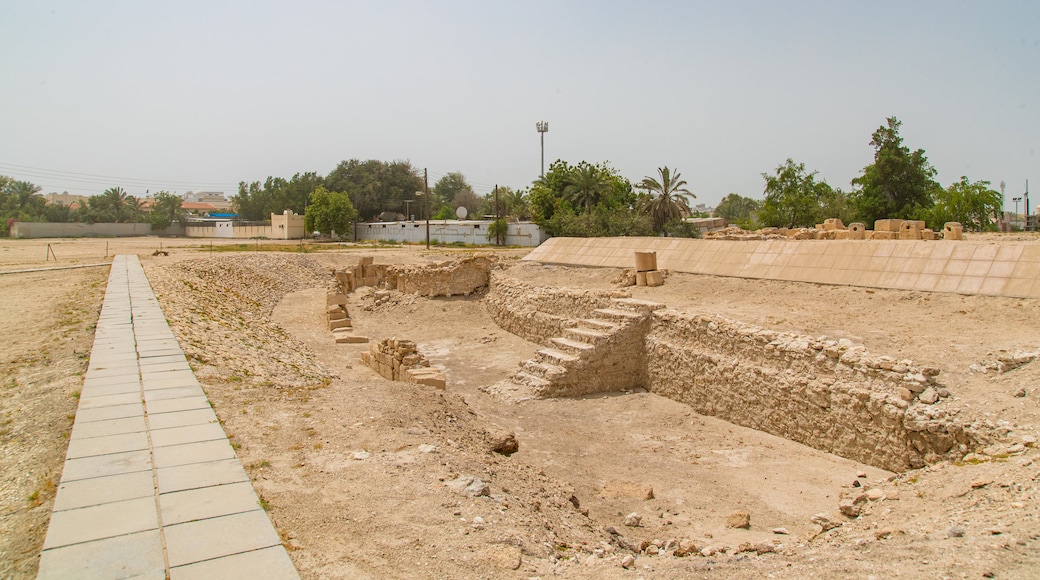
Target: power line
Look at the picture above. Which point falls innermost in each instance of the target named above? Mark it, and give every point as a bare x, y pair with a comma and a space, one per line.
108, 180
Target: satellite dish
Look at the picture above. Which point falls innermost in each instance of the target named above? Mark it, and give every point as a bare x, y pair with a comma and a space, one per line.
462, 212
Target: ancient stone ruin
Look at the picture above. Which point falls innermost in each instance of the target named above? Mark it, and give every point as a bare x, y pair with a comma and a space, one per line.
452, 278
400, 360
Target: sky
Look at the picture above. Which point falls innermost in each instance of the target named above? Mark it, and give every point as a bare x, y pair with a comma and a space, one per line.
201, 95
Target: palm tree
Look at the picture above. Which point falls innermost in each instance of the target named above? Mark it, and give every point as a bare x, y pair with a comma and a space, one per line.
585, 186
117, 201
667, 198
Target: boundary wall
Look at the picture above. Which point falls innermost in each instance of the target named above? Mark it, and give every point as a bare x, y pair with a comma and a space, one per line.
23, 230
963, 267
448, 231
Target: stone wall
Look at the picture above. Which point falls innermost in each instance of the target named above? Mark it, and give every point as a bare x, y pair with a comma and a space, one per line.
452, 278
831, 395
399, 360
537, 313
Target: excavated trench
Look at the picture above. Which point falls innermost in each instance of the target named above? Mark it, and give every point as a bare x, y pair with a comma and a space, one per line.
832, 395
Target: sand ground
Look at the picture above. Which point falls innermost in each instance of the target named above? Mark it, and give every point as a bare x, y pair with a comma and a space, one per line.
356, 470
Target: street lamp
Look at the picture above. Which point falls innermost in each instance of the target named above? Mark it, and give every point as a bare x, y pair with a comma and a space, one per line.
543, 128
1016, 200
427, 199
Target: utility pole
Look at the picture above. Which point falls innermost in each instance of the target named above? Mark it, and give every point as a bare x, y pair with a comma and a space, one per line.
498, 216
426, 194
543, 128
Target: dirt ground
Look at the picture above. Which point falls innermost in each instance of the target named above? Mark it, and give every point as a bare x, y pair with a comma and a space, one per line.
364, 477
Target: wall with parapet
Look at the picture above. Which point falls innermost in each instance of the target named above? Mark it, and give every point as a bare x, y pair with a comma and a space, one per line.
77, 230
472, 232
964, 267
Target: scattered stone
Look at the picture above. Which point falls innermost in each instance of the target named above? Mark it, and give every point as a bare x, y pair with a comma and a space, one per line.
611, 530
1021, 392
856, 483
361, 455
782, 531
709, 551
469, 485
874, 494
765, 548
955, 532
628, 561
861, 474
1029, 440
424, 448
739, 519
503, 442
886, 533
687, 550
928, 396
502, 557
980, 483
824, 521
633, 519
849, 508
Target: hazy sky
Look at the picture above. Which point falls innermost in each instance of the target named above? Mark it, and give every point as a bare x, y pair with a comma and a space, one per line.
184, 95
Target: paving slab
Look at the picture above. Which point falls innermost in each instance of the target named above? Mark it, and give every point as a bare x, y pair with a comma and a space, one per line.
182, 404
93, 401
196, 475
107, 445
101, 521
102, 465
211, 538
174, 455
182, 418
101, 490
85, 430
138, 555
112, 412
263, 563
207, 502
188, 434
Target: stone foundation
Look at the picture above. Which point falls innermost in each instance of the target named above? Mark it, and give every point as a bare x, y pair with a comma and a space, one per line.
829, 394
399, 360
454, 278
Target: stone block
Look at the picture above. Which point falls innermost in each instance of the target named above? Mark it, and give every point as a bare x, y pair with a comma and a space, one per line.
909, 230
833, 224
885, 235
429, 377
646, 261
887, 225
350, 339
640, 278
654, 278
343, 323
336, 299
928, 234
337, 314
366, 261
842, 234
857, 231
953, 231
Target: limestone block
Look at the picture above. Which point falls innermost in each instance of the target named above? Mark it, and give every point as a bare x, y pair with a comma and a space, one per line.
885, 235
654, 278
337, 314
833, 224
342, 323
646, 261
887, 225
953, 231
909, 230
351, 339
425, 376
842, 234
336, 299
818, 226
640, 278
857, 231
366, 261
928, 234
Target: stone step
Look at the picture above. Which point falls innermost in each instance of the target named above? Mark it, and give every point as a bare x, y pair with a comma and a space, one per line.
587, 335
544, 370
556, 357
645, 306
620, 315
573, 346
529, 380
598, 324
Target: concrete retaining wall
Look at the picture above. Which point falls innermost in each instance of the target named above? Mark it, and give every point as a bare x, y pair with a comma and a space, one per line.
964, 267
77, 230
472, 232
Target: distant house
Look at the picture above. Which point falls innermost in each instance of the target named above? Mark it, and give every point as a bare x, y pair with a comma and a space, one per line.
200, 208
214, 198
66, 199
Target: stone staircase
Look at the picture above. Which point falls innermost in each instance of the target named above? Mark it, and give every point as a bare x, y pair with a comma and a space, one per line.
603, 353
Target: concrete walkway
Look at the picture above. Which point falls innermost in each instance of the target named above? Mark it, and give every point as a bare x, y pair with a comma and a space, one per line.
151, 486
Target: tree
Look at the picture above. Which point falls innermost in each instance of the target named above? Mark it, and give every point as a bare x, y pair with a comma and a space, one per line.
793, 197
376, 186
974, 205
585, 186
737, 209
666, 198
468, 199
21, 200
166, 209
898, 184
114, 205
257, 202
447, 188
329, 211
517, 202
